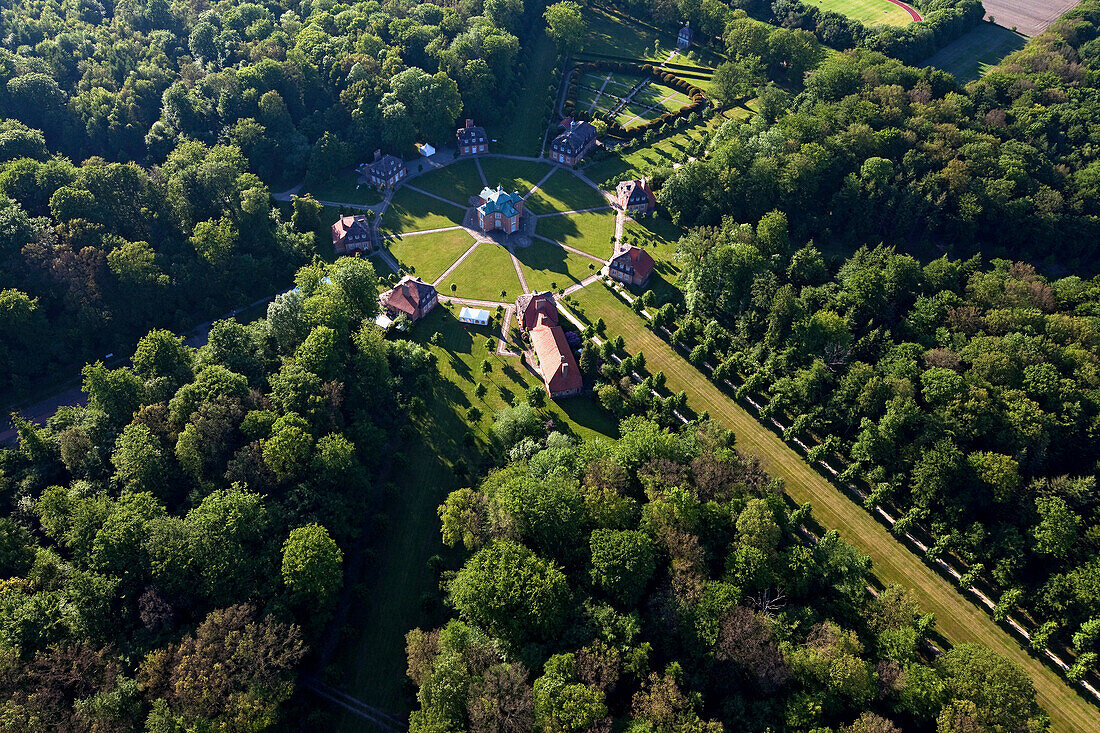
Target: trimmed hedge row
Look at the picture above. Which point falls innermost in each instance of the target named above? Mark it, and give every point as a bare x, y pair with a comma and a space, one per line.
698, 97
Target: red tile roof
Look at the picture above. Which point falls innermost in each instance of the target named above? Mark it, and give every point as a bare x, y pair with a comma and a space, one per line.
530, 305
640, 260
557, 365
409, 295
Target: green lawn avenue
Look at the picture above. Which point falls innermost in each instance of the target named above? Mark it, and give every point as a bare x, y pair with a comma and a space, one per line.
410, 211
344, 188
514, 175
563, 191
591, 232
455, 182
429, 255
547, 266
483, 274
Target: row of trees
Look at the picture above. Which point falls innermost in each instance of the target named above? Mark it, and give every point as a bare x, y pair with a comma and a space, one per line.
963, 394
660, 583
169, 552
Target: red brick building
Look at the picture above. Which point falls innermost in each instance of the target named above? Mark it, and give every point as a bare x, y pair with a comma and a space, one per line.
499, 210
574, 143
636, 197
630, 265
411, 296
386, 170
471, 139
537, 314
351, 234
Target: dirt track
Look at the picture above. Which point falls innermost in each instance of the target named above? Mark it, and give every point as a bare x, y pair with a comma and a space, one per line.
1030, 17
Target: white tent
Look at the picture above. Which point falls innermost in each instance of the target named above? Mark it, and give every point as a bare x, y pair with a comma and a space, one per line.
427, 150
476, 316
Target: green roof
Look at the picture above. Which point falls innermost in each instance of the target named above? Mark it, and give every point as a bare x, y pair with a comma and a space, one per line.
499, 200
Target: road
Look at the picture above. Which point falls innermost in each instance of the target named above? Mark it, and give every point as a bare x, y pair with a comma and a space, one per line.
957, 618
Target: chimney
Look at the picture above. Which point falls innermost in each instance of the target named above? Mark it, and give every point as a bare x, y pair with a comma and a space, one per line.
469, 123
377, 155
564, 368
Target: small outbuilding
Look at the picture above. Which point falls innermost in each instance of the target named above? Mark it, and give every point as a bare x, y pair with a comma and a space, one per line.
427, 150
683, 38
474, 316
471, 139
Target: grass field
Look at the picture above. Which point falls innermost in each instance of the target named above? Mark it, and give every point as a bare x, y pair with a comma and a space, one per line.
659, 237
342, 190
549, 267
866, 11
429, 255
410, 211
563, 191
970, 56
522, 133
455, 182
589, 232
957, 619
373, 656
483, 274
514, 175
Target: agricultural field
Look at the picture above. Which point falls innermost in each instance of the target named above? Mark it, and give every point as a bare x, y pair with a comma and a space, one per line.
429, 255
1029, 17
971, 56
869, 12
483, 275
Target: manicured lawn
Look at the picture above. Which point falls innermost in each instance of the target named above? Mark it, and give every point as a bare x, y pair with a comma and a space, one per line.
976, 52
514, 175
609, 34
342, 189
549, 267
563, 191
866, 11
455, 182
429, 255
637, 113
483, 274
373, 655
957, 618
589, 232
410, 211
659, 237
522, 133
661, 96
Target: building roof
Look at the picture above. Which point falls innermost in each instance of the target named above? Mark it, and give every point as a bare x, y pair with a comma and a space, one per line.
557, 365
635, 189
386, 165
635, 259
471, 134
356, 227
685, 32
408, 295
530, 305
575, 138
501, 201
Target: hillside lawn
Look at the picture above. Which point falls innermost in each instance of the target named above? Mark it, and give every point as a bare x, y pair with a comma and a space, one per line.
521, 133
373, 655
455, 182
549, 267
869, 12
591, 232
514, 175
341, 189
410, 211
483, 274
976, 52
659, 237
957, 618
429, 255
564, 191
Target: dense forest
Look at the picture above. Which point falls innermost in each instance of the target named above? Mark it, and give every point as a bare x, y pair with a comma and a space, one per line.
661, 584
141, 140
171, 551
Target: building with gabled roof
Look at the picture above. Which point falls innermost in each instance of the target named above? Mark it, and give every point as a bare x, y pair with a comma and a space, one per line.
351, 234
411, 296
636, 196
471, 139
499, 210
573, 143
683, 38
386, 170
530, 306
630, 265
555, 361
